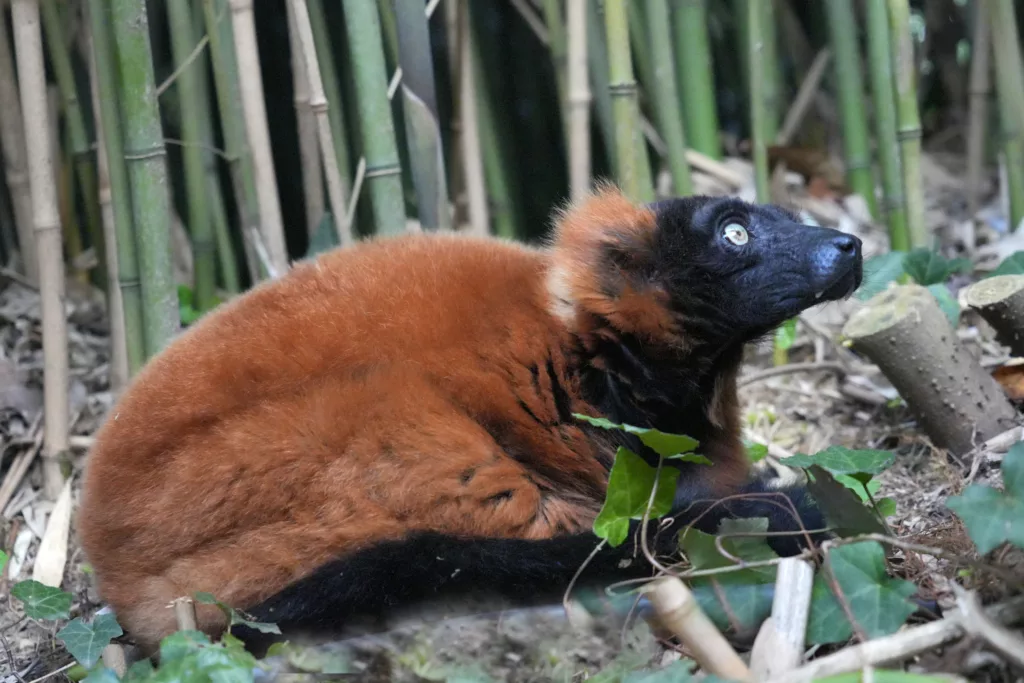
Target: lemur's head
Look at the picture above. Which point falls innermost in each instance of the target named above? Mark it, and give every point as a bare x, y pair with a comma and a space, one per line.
696, 269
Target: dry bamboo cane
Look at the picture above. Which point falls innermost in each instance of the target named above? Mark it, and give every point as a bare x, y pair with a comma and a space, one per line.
251, 85
318, 104
579, 96
28, 43
469, 134
12, 144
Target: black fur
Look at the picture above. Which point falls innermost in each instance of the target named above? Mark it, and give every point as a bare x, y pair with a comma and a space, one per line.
725, 297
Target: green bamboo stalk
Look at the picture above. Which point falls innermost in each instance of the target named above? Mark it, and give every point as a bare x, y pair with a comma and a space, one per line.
1010, 93
696, 74
770, 70
80, 149
666, 94
909, 131
146, 159
558, 45
883, 95
597, 61
383, 171
389, 31
204, 245
225, 77
110, 120
639, 47
623, 88
422, 127
332, 91
759, 114
850, 95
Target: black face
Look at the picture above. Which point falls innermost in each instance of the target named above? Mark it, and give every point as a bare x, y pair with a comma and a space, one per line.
740, 269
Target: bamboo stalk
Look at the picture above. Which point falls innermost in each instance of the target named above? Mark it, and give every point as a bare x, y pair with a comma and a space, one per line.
909, 121
696, 74
108, 118
383, 171
12, 145
759, 115
146, 160
28, 43
204, 246
623, 89
770, 71
1010, 91
883, 96
332, 91
63, 172
470, 146
119, 365
232, 118
422, 128
312, 182
318, 103
978, 89
666, 94
251, 82
558, 43
597, 60
579, 99
851, 95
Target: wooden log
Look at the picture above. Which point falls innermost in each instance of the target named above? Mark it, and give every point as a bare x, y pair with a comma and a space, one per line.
1000, 301
905, 333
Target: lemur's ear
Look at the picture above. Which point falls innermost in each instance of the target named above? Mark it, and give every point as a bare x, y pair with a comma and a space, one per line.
604, 263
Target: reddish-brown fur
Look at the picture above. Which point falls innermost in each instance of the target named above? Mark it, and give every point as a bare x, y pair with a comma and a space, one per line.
327, 410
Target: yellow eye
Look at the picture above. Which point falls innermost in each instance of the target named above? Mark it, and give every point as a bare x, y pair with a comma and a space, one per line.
736, 233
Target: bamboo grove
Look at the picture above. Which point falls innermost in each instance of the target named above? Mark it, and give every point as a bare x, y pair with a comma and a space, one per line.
257, 133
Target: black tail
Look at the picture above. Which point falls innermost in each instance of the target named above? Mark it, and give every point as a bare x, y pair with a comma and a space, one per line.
388, 578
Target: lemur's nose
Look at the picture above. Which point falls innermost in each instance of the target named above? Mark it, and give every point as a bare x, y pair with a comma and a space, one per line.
847, 243
834, 251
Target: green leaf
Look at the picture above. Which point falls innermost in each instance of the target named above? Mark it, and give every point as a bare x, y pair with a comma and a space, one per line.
785, 335
747, 604
993, 517
41, 601
86, 641
235, 617
629, 489
929, 267
324, 238
679, 671
181, 643
702, 551
755, 452
885, 676
886, 507
879, 271
315, 659
949, 305
139, 671
672, 446
3, 561
879, 603
1011, 265
844, 510
841, 460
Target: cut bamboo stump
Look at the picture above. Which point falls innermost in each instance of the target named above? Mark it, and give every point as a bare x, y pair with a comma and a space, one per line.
1000, 301
905, 333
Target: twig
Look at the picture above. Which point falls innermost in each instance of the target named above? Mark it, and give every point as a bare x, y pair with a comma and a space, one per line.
827, 366
184, 65
898, 646
185, 613
10, 657
780, 642
804, 97
53, 673
979, 624
680, 613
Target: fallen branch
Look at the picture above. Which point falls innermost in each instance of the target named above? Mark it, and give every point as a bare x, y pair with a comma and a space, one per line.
979, 624
827, 366
899, 646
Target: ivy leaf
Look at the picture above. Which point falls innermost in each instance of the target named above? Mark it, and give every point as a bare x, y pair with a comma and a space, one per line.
949, 305
679, 671
785, 335
929, 267
139, 671
844, 510
41, 601
879, 603
3, 561
732, 605
991, 516
86, 641
1011, 265
102, 675
755, 452
879, 271
841, 460
235, 617
629, 489
884, 676
671, 446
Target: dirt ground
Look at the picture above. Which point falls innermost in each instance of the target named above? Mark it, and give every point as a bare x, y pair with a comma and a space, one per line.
795, 412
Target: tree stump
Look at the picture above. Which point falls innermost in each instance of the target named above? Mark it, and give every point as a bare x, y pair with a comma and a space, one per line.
904, 332
1000, 301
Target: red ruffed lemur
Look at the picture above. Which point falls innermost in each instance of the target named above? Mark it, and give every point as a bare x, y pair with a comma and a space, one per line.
393, 421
